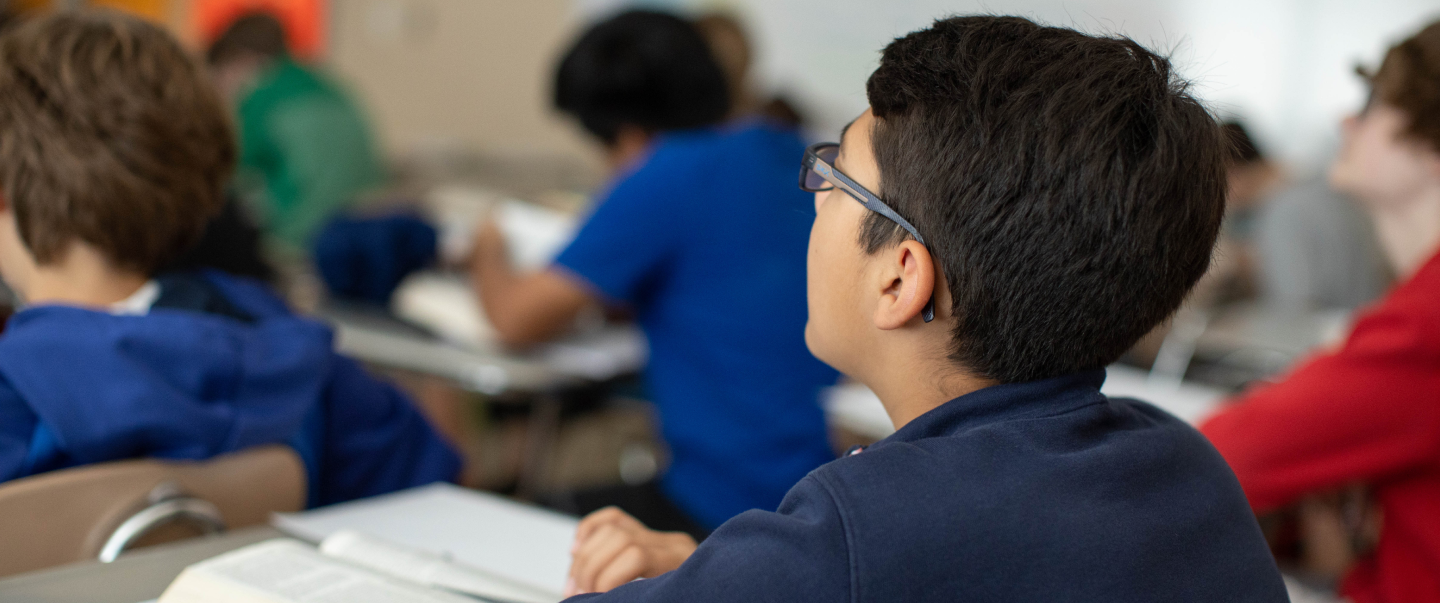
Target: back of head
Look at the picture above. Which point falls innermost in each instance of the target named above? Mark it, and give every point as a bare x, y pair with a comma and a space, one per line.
641, 69
109, 134
1409, 79
256, 34
1068, 185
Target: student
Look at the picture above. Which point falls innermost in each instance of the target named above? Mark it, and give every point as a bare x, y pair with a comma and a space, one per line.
1367, 412
305, 147
1053, 195
700, 237
113, 151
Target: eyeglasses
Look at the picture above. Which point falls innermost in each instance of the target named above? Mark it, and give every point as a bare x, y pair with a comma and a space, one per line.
818, 174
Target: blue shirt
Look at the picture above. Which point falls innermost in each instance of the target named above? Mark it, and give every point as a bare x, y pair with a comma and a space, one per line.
706, 241
219, 364
1042, 491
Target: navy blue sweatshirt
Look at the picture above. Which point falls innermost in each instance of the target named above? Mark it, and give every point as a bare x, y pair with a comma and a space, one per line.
1042, 491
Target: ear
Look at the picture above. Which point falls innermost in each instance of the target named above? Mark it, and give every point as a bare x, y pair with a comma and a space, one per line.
909, 274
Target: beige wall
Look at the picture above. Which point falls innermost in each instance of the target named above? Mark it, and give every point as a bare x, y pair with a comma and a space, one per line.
458, 74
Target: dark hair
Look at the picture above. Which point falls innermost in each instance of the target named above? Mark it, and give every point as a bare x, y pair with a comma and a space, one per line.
255, 34
109, 134
1409, 79
641, 68
1068, 185
1242, 148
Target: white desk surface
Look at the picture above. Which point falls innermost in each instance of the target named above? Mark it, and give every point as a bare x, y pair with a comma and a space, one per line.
855, 408
371, 335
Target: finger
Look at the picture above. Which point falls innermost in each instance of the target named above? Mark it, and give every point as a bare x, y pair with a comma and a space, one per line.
596, 554
626, 566
594, 520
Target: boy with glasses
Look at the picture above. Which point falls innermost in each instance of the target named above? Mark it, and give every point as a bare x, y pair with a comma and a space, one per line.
1052, 196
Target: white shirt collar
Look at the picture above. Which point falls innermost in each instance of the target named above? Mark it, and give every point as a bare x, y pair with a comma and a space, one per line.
139, 302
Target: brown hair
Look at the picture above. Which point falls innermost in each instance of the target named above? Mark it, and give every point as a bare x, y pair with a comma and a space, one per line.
1409, 79
109, 134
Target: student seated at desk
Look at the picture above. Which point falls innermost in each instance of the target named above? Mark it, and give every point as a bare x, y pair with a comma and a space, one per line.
1368, 413
700, 236
113, 151
1049, 196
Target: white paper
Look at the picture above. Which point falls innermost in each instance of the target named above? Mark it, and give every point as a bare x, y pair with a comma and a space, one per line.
427, 568
445, 305
523, 543
290, 571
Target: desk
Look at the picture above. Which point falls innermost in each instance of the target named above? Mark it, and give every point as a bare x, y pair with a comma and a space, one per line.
373, 336
138, 576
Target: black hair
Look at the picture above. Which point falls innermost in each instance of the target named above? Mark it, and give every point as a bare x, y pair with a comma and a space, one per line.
641, 68
258, 34
1242, 148
1068, 185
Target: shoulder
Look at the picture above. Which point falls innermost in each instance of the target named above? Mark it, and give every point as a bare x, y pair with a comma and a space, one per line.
734, 143
1091, 453
248, 295
1406, 319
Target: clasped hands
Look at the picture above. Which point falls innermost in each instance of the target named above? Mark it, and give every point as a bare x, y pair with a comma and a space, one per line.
612, 548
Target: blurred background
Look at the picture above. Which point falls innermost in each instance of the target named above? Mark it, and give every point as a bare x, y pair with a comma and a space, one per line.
451, 76
453, 100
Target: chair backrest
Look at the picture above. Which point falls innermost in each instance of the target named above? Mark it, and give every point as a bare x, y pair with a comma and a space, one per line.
69, 515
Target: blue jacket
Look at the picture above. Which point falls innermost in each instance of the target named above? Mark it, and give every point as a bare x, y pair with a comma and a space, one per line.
1043, 491
217, 365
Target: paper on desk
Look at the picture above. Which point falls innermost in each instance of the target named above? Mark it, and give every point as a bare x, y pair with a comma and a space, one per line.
534, 235
526, 544
446, 306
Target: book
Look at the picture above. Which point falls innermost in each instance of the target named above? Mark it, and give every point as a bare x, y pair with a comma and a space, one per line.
524, 544
349, 567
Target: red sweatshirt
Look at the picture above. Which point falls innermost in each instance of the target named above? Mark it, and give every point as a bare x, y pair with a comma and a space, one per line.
1370, 413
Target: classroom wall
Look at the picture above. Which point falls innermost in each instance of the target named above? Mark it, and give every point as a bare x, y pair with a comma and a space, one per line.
1285, 66
443, 75
454, 75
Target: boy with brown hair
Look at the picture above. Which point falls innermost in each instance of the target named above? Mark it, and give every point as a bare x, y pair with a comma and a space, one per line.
113, 152
1367, 414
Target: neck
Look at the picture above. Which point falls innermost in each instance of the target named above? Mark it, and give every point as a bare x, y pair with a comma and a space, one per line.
84, 278
913, 384
1410, 232
630, 143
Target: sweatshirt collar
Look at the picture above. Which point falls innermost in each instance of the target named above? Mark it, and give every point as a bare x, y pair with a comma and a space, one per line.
1007, 401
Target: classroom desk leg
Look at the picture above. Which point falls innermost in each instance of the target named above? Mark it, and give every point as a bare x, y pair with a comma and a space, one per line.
542, 436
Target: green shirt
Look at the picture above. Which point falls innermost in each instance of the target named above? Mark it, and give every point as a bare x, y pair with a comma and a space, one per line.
305, 149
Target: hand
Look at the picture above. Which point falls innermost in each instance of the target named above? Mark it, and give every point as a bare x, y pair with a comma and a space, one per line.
489, 242
612, 548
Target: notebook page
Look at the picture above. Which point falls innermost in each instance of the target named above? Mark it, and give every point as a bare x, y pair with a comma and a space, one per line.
519, 542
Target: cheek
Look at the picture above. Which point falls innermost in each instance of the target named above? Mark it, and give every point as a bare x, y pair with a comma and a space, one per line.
822, 286
1376, 168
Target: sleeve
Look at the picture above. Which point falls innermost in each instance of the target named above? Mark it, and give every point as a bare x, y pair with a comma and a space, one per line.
376, 441
326, 150
798, 553
632, 235
1362, 413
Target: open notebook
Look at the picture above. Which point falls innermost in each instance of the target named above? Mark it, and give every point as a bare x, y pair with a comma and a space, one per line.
527, 545
348, 567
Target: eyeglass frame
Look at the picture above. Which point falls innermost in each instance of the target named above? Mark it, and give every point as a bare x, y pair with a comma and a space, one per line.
812, 162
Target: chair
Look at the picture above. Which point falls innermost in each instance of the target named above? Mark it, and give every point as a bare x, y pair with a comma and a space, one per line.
98, 511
